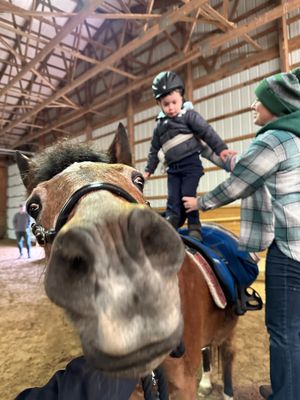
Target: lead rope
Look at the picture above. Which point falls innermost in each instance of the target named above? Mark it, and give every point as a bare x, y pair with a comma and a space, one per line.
162, 385
147, 384
156, 379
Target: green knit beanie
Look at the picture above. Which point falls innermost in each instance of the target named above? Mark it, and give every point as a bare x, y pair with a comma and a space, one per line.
280, 93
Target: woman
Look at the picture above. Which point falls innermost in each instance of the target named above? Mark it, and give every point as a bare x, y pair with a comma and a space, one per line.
267, 179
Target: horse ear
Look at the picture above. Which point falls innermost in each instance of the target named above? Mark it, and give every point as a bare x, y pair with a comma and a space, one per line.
119, 151
25, 166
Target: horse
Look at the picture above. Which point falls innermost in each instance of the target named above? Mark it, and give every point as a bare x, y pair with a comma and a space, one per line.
119, 270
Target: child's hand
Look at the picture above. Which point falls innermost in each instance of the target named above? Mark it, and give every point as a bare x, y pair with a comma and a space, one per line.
147, 175
226, 153
190, 203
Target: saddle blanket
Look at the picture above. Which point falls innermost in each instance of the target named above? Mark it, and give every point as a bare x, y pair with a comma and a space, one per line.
232, 267
211, 279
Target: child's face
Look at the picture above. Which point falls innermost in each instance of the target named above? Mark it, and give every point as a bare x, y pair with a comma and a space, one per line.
171, 104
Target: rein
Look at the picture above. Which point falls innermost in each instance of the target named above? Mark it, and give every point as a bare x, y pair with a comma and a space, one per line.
44, 236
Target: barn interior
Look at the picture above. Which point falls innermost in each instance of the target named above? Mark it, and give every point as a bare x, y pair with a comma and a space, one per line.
76, 68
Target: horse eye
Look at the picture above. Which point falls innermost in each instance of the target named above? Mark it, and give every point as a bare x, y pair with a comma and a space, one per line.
33, 209
139, 182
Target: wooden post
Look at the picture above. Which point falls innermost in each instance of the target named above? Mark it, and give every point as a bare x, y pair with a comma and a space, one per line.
189, 83
88, 129
283, 42
3, 198
130, 125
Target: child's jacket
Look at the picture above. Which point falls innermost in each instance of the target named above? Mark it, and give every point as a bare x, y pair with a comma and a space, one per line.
181, 136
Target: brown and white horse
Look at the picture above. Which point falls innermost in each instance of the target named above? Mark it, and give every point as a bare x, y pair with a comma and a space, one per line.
119, 270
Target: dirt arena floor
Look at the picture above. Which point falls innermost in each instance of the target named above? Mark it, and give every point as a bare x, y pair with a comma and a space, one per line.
36, 339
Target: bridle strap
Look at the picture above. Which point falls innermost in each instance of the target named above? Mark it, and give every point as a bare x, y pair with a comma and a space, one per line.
44, 236
90, 187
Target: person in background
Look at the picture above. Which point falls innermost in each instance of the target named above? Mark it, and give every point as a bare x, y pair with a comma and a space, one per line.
267, 179
21, 223
182, 134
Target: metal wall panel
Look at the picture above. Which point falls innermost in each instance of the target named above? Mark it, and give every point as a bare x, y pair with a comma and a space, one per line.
294, 27
109, 131
145, 114
295, 57
78, 139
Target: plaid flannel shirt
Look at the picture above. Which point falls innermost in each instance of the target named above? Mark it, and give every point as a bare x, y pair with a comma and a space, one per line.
267, 179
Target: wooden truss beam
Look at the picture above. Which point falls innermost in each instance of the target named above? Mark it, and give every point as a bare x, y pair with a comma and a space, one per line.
269, 16
217, 40
90, 5
283, 42
165, 21
227, 25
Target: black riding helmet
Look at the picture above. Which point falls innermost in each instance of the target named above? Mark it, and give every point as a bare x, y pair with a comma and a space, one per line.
165, 82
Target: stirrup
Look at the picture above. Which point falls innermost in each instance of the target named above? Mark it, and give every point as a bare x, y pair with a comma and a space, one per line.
248, 300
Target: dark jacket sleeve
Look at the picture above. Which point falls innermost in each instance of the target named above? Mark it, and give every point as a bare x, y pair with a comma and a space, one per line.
153, 159
28, 221
15, 221
77, 382
202, 130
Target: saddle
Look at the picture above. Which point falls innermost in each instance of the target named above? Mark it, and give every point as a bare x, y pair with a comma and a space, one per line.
235, 270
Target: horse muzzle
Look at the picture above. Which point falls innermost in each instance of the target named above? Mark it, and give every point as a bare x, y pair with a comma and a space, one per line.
118, 281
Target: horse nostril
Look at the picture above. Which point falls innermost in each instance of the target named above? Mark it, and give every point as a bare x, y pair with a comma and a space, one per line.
150, 235
136, 299
72, 255
70, 269
78, 266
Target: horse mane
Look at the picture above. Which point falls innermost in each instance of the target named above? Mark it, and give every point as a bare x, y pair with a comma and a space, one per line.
55, 159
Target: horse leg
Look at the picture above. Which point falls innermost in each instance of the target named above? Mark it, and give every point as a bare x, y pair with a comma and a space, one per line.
205, 386
182, 384
227, 356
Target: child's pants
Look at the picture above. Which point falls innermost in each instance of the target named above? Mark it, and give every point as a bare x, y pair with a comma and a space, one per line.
183, 180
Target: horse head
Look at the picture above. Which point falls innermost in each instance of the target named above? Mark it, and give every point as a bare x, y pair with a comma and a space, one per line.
112, 262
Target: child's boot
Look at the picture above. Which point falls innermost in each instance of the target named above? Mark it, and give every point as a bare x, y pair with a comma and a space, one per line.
173, 220
194, 231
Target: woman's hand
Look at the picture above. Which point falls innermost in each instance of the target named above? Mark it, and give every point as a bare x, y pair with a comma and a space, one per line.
190, 203
147, 175
226, 153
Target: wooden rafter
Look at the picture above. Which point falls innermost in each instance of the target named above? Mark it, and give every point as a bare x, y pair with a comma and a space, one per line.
70, 25
166, 20
194, 53
227, 25
191, 30
269, 16
108, 49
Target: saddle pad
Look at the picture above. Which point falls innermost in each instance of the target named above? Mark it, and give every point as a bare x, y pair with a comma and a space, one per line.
217, 264
211, 279
233, 267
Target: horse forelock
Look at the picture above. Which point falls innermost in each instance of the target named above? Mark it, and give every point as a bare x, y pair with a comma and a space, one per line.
56, 159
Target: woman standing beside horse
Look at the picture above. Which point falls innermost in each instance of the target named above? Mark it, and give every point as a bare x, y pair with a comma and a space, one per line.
267, 179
